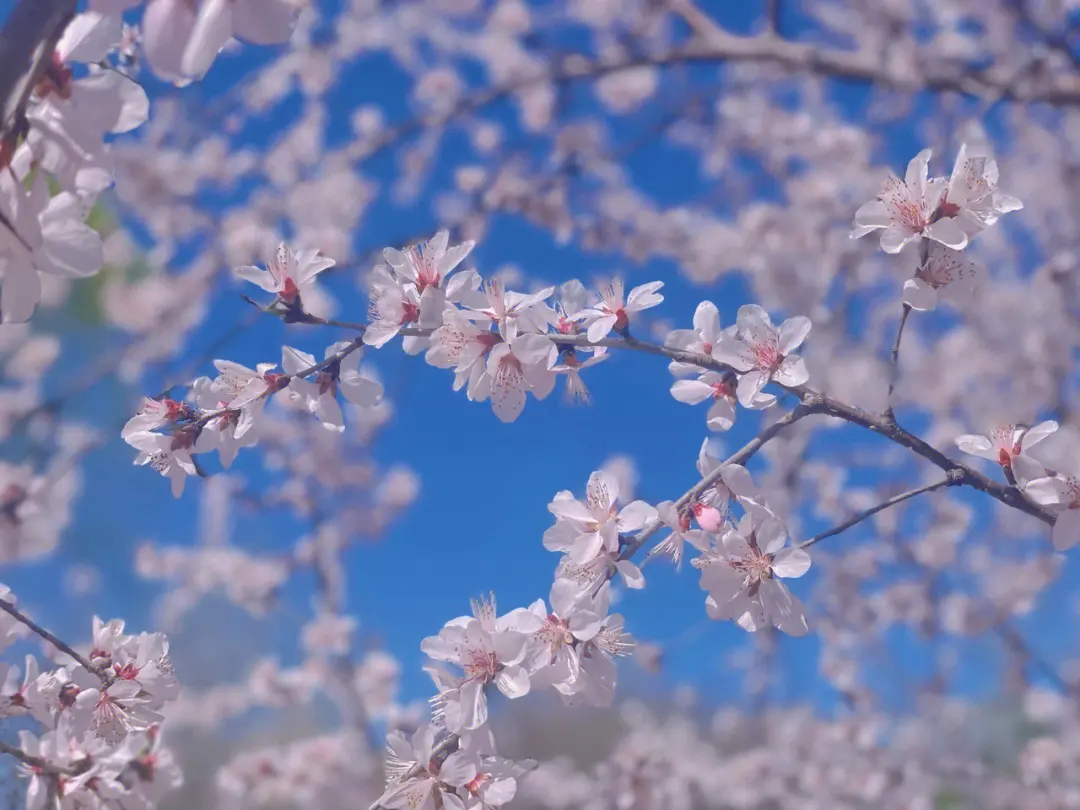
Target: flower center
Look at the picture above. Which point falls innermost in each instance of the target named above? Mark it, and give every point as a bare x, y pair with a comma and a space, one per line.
410, 313
767, 356
426, 274
755, 565
721, 390
481, 665
289, 291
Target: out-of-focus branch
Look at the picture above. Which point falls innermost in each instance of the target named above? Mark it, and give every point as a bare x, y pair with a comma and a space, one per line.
712, 44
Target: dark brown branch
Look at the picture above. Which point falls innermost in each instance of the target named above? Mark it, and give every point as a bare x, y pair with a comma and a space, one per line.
37, 629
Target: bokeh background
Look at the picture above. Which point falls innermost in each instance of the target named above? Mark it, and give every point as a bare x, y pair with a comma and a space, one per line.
584, 139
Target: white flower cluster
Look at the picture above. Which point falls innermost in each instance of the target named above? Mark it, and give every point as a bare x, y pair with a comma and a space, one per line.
503, 345
946, 212
99, 742
86, 93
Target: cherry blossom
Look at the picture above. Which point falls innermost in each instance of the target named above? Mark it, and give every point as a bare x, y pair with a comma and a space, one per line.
319, 397
573, 299
735, 481
289, 275
112, 713
761, 353
1062, 494
586, 528
572, 365
497, 780
392, 307
972, 196
428, 267
489, 651
1007, 445
702, 339
182, 38
741, 576
206, 186
438, 781
613, 310
710, 385
595, 684
156, 413
678, 521
908, 210
604, 566
575, 617
46, 235
461, 344
240, 387
522, 366
229, 430
168, 455
73, 116
512, 312
944, 274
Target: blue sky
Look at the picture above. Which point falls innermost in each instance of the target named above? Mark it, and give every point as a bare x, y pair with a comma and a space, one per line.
485, 486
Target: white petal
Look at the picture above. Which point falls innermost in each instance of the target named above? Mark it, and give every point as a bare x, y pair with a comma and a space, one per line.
793, 332
948, 232
692, 392
263, 22
919, 295
977, 446
791, 562
213, 28
1066, 530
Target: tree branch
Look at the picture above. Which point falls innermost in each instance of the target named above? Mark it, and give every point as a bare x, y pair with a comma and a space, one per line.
36, 628
947, 481
808, 406
880, 424
713, 45
894, 370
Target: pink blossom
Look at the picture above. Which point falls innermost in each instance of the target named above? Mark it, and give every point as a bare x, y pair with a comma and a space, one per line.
907, 210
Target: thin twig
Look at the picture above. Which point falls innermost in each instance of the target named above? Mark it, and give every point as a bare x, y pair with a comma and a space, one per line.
947, 481
741, 456
894, 369
1016, 642
36, 628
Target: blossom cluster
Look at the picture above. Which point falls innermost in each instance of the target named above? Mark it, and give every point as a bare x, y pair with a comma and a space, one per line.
504, 345
942, 215
99, 717
87, 93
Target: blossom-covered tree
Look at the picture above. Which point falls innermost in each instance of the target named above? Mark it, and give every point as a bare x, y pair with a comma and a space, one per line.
230, 215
